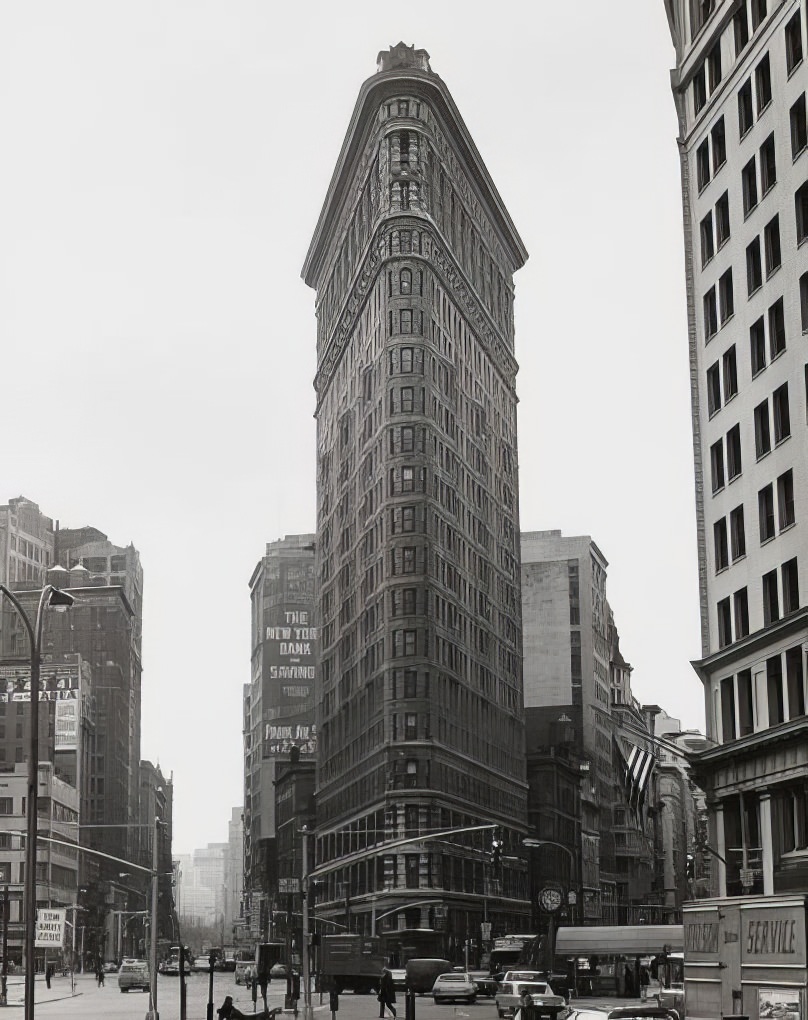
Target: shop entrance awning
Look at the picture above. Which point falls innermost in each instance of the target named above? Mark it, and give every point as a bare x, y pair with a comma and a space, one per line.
620, 940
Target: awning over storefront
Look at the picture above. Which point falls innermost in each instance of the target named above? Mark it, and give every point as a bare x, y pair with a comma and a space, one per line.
620, 940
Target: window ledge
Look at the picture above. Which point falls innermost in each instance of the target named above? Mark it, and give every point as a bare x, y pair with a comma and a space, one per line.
750, 294
768, 190
796, 67
765, 541
799, 854
782, 440
788, 527
763, 109
773, 272
761, 456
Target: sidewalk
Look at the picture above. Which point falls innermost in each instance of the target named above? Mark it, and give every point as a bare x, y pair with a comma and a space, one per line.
59, 989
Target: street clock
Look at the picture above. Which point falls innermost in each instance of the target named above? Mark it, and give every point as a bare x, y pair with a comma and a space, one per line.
550, 899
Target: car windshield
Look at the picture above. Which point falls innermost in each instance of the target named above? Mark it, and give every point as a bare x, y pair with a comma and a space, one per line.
453, 977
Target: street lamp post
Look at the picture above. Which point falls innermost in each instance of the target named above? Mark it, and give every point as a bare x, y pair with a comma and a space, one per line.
153, 1014
538, 844
58, 599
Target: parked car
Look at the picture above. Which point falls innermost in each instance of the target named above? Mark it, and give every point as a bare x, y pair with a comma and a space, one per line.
278, 970
202, 965
484, 983
543, 998
134, 974
110, 967
454, 987
171, 966
643, 1013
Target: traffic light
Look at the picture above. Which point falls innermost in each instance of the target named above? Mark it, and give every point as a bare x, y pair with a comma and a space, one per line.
496, 849
690, 867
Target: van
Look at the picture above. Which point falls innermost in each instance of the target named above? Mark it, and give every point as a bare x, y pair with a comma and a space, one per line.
134, 974
421, 974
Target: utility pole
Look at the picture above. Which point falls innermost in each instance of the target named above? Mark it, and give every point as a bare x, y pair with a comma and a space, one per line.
153, 1014
304, 885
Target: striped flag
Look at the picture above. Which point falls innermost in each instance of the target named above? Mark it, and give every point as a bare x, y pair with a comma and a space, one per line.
637, 767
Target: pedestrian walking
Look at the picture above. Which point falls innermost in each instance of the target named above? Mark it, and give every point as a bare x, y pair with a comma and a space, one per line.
387, 994
645, 978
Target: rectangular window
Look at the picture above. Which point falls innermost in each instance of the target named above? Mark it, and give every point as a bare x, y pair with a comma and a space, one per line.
407, 399
796, 697
799, 127
774, 687
749, 185
6, 805
746, 716
717, 465
771, 241
763, 84
766, 513
791, 587
737, 533
721, 544
408, 560
793, 33
768, 165
408, 518
771, 601
699, 89
757, 345
740, 605
714, 66
785, 499
710, 314
734, 466
801, 212
804, 302
729, 729
713, 389
407, 439
408, 479
758, 13
726, 300
406, 357
703, 164
722, 231
782, 418
410, 726
730, 374
763, 439
754, 270
740, 26
405, 320
707, 246
724, 623
777, 329
745, 116
718, 136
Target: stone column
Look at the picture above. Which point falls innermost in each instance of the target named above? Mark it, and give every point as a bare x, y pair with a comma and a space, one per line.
765, 822
721, 848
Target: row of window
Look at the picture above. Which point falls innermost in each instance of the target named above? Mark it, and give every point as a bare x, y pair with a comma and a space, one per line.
709, 75
779, 589
766, 252
729, 533
774, 424
783, 697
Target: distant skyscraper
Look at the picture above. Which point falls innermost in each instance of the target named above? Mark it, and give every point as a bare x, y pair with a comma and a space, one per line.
279, 703
420, 725
577, 701
739, 88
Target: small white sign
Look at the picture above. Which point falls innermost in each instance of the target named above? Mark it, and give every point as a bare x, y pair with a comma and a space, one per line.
50, 929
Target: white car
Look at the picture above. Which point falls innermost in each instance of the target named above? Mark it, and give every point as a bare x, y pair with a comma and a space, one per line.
541, 994
454, 986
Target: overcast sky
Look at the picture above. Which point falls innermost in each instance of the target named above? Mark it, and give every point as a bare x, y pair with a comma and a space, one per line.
163, 167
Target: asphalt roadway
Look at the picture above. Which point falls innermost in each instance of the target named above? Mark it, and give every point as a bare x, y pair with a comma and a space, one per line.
108, 1003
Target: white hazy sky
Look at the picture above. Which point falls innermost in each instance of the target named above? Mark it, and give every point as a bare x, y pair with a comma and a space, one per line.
163, 167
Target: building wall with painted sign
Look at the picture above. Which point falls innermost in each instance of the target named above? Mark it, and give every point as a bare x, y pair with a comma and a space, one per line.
745, 955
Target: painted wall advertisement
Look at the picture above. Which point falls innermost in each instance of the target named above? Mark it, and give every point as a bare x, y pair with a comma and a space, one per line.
56, 683
289, 662
66, 732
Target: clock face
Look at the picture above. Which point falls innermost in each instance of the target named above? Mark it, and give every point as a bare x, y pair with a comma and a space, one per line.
550, 899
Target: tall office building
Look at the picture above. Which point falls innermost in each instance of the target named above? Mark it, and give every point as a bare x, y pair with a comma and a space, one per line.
278, 706
578, 701
419, 724
739, 88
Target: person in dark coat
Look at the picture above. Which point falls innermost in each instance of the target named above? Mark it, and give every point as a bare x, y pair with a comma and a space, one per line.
645, 980
387, 993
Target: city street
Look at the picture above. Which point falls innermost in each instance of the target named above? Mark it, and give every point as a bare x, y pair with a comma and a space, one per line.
110, 1004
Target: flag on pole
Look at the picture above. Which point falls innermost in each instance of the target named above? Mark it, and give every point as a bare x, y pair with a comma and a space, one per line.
637, 767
